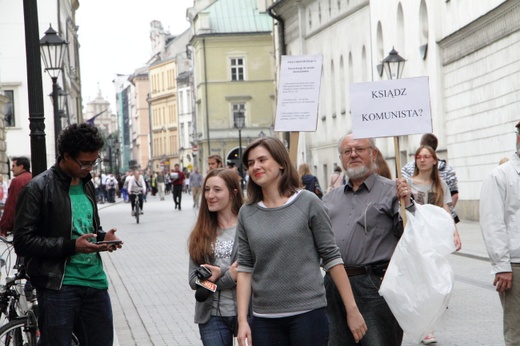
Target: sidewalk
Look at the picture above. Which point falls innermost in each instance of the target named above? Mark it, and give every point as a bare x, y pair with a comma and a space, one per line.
472, 241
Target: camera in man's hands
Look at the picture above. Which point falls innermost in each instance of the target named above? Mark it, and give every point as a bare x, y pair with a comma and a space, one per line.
203, 273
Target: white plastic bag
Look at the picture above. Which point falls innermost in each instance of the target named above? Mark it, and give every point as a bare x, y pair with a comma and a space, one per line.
418, 282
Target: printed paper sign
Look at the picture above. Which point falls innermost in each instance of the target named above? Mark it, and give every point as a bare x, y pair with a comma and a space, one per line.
298, 93
391, 108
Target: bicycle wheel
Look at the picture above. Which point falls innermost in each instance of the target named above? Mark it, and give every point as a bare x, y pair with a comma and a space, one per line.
137, 210
18, 333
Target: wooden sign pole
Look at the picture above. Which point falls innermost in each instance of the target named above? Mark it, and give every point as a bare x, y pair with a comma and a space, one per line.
398, 169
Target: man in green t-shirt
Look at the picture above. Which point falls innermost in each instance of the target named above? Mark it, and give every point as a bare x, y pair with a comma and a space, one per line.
57, 230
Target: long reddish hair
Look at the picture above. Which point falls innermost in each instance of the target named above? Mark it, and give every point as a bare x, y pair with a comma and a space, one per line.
434, 176
204, 234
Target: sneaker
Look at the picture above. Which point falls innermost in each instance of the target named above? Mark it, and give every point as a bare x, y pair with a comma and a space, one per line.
429, 339
133, 212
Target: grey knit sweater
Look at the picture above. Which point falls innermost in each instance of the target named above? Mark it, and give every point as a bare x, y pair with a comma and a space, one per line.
282, 248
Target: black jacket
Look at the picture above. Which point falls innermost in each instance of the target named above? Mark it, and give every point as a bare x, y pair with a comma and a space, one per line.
43, 226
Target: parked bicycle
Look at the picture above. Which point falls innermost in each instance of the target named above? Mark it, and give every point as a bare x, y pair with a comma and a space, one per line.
18, 316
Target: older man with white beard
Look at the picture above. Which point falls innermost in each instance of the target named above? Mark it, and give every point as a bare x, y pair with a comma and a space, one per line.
367, 226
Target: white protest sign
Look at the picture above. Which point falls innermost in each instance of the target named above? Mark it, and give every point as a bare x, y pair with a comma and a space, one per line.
298, 93
390, 108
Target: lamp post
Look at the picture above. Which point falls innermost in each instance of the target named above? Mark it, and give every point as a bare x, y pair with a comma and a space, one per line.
261, 134
116, 156
239, 119
62, 101
52, 49
62, 96
393, 65
181, 157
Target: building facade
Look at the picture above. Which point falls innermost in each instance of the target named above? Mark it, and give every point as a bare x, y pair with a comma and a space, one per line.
233, 62
464, 47
13, 73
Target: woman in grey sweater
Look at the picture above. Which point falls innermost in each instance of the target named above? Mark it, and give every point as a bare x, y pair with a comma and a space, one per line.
212, 245
284, 233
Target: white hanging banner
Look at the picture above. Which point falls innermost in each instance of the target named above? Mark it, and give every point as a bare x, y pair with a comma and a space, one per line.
298, 93
391, 108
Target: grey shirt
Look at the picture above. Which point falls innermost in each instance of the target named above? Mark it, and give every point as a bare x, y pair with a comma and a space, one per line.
226, 251
195, 179
224, 303
282, 248
366, 223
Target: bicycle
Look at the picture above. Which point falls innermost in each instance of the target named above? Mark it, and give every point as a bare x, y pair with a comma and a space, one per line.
19, 322
137, 204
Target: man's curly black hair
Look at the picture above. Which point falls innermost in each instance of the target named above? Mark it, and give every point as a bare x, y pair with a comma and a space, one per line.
78, 138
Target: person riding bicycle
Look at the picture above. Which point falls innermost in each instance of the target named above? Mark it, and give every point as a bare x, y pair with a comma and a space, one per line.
136, 184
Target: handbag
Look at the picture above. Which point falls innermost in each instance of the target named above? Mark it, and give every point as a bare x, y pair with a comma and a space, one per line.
317, 189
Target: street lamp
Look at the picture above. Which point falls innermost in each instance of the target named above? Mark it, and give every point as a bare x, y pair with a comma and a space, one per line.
239, 119
261, 134
62, 97
52, 48
393, 65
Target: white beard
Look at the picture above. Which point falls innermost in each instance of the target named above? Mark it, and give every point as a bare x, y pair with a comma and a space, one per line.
360, 172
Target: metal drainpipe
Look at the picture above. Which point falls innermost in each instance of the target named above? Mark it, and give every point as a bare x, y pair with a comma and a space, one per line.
283, 49
206, 95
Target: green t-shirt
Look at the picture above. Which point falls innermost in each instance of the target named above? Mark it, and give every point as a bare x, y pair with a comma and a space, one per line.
83, 269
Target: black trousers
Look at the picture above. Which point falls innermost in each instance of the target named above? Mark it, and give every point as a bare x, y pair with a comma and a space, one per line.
177, 194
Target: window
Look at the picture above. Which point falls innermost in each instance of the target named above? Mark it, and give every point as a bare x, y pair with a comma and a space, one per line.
9, 108
237, 69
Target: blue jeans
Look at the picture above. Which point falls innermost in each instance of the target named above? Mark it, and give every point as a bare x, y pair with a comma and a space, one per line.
308, 329
83, 310
218, 331
383, 329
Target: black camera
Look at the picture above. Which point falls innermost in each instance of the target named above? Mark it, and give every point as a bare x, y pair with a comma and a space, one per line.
203, 273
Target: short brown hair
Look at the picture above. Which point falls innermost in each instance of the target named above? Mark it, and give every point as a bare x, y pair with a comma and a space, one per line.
430, 140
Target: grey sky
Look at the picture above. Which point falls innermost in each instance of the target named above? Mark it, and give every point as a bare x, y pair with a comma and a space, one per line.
114, 38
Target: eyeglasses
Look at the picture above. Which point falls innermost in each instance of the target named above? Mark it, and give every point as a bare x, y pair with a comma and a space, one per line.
420, 157
358, 150
86, 165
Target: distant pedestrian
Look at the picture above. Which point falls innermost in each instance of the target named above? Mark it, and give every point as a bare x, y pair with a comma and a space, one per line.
196, 185
160, 185
335, 179
213, 244
309, 181
111, 185
214, 162
500, 224
153, 184
382, 166
20, 166
177, 178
